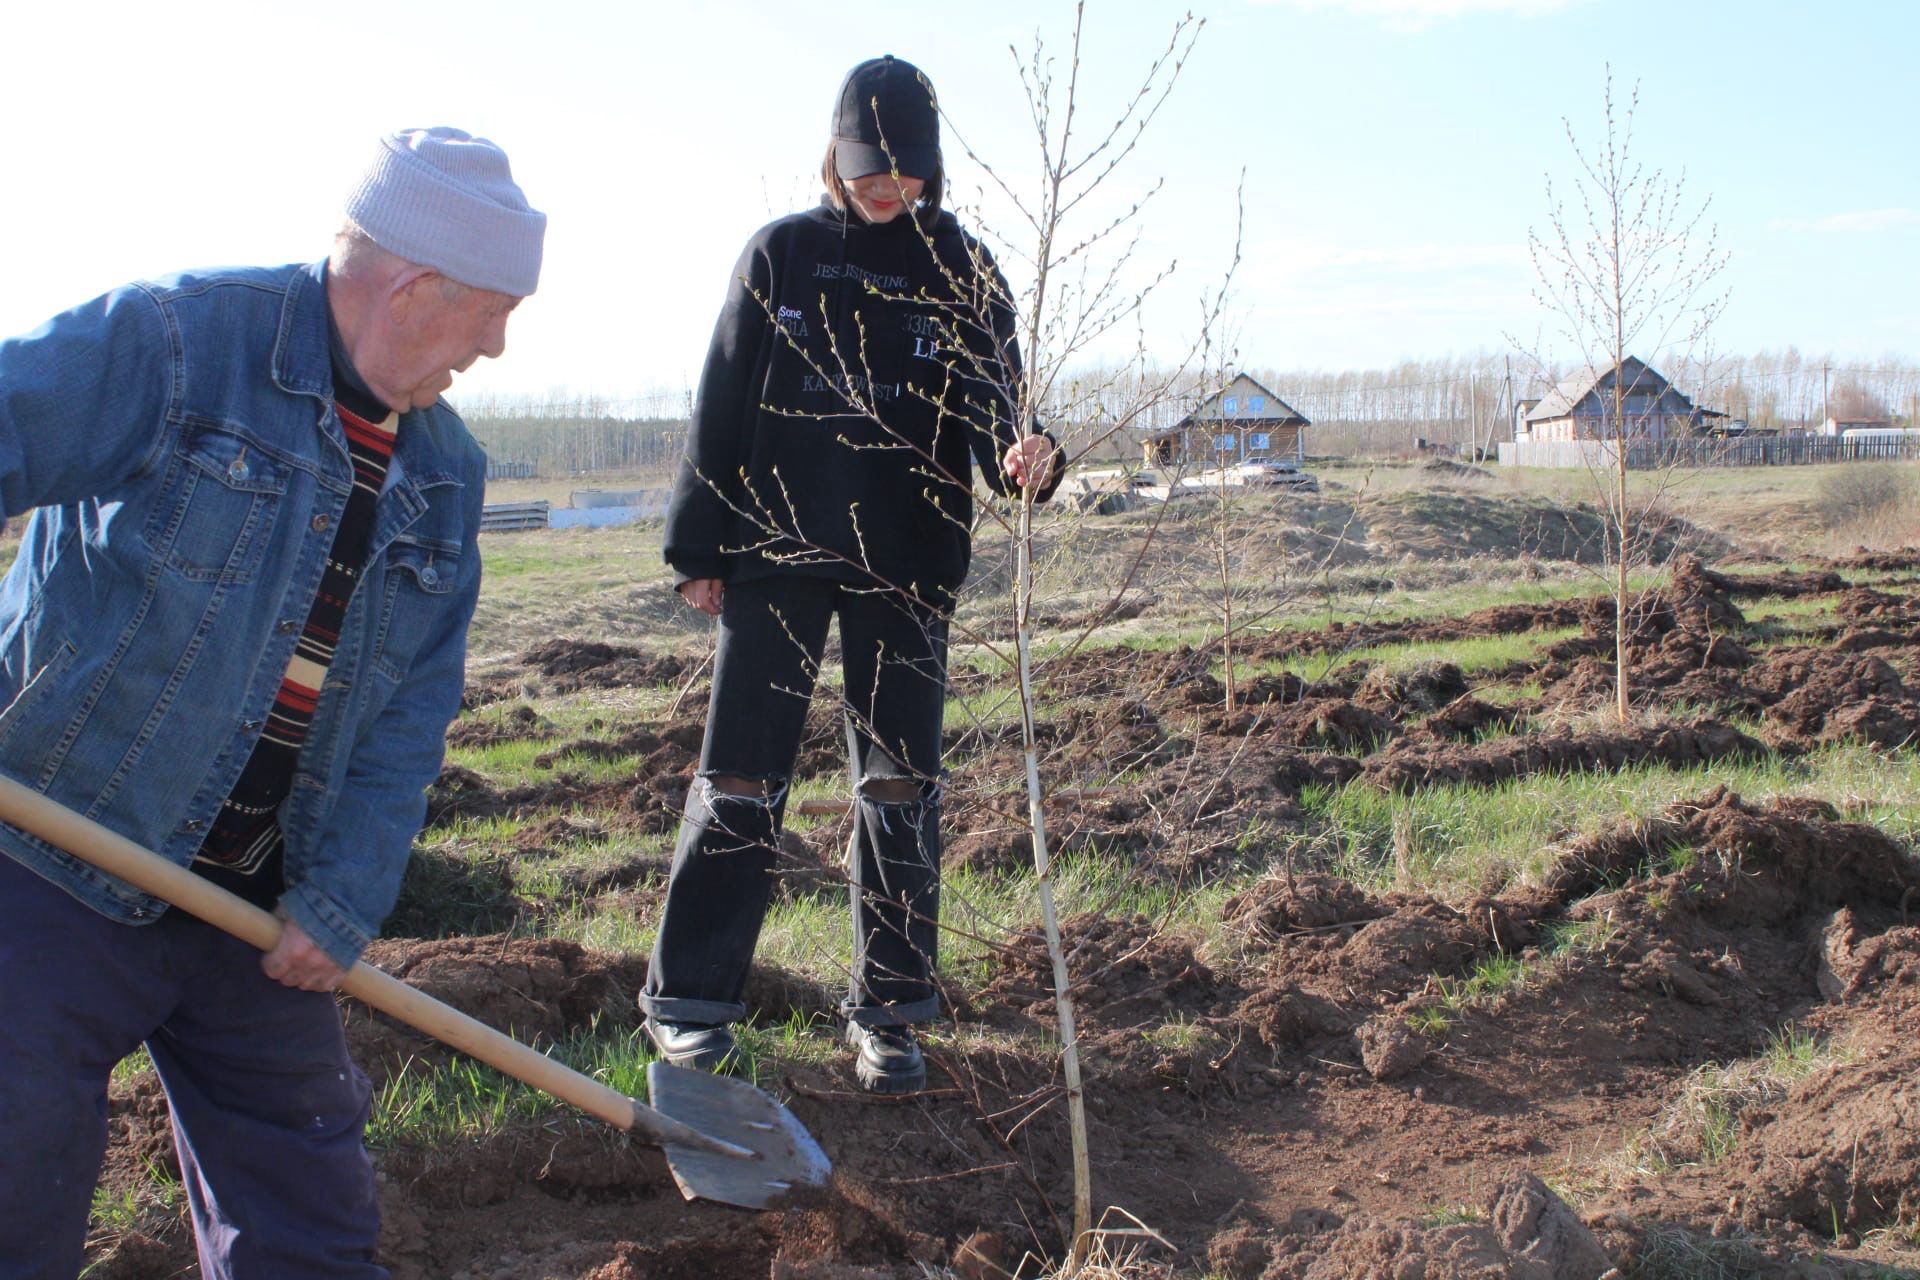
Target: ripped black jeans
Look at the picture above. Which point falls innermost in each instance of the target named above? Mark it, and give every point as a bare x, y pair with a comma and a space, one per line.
894, 655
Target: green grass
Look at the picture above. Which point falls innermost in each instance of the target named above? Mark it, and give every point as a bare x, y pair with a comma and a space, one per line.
1676, 1253
134, 1064
1568, 939
1472, 654
812, 1042
1475, 838
809, 936
1781, 608
1493, 977
463, 1100
122, 1209
622, 931
982, 910
1701, 1124
515, 760
1459, 1215
1181, 1034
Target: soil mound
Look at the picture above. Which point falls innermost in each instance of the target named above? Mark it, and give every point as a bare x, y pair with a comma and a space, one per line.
1882, 561
1591, 863
1496, 620
1124, 971
1849, 696
1529, 1234
1855, 960
1467, 718
1416, 690
1787, 586
1333, 724
1413, 763
1687, 634
513, 724
673, 750
1455, 470
1455, 522
565, 665
1280, 906
1763, 864
1398, 952
648, 802
1781, 858
533, 989
1843, 1149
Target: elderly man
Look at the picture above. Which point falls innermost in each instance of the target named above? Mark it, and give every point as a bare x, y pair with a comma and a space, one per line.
235, 633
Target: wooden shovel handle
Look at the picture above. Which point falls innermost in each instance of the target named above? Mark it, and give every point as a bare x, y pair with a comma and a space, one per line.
118, 856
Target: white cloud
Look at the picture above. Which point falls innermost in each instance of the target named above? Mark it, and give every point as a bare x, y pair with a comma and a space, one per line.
1857, 220
1414, 14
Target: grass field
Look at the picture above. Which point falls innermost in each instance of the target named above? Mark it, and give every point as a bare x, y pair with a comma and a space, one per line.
1601, 938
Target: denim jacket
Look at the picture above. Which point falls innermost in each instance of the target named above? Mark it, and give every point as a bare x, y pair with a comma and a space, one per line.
179, 446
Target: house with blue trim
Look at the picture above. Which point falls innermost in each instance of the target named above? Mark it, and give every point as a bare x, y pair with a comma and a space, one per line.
1240, 421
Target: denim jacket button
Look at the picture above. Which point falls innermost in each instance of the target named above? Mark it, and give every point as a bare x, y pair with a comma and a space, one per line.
192, 825
249, 726
430, 576
286, 628
237, 472
322, 522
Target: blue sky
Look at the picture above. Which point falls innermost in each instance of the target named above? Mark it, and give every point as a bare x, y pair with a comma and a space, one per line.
1394, 153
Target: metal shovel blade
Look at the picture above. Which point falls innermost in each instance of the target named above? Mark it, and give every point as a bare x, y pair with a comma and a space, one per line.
786, 1158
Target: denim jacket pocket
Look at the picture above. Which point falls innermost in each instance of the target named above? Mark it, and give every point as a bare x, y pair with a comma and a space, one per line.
422, 575
34, 694
211, 518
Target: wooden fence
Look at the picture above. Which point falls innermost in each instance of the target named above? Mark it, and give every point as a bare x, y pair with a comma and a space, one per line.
1759, 451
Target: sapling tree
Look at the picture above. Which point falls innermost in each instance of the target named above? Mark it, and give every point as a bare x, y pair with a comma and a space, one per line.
1633, 266
1014, 360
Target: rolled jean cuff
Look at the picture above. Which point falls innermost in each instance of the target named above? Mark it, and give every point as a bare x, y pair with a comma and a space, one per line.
694, 1013
892, 1015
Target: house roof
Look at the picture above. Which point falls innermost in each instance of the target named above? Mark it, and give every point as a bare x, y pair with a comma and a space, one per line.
1567, 394
1277, 413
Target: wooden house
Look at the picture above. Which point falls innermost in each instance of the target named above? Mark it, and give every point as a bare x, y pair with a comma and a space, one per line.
1582, 407
1242, 420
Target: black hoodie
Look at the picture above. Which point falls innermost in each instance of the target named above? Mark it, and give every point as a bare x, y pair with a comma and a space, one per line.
831, 323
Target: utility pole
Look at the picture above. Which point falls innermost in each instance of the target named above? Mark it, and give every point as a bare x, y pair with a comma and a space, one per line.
1473, 419
1506, 408
1826, 412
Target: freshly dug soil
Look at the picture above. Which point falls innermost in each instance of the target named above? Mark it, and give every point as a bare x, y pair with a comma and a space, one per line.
1322, 1083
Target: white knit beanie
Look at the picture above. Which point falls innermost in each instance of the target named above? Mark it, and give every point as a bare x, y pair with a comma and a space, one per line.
446, 199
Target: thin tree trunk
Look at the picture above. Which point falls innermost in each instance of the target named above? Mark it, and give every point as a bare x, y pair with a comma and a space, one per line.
1622, 696
1049, 915
1226, 594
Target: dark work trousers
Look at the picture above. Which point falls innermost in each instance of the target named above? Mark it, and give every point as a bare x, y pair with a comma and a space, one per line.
894, 654
268, 1109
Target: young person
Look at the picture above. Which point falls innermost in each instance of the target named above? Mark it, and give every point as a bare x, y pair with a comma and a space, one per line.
862, 366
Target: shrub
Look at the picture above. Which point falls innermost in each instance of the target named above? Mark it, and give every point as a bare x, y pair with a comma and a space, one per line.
1863, 493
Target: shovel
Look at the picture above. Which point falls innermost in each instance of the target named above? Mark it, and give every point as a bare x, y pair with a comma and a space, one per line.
724, 1139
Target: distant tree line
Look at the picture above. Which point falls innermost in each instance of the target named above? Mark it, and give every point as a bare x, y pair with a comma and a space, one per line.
578, 435
1464, 400
1455, 401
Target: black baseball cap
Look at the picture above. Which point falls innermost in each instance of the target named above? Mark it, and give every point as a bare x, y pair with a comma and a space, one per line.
886, 119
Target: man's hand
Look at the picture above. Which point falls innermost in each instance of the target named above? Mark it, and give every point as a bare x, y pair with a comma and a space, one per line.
296, 962
703, 594
1031, 462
